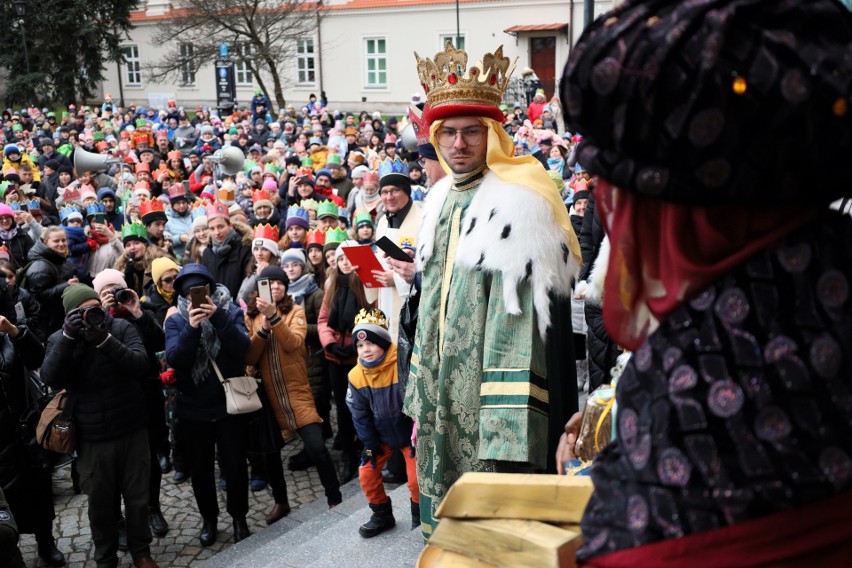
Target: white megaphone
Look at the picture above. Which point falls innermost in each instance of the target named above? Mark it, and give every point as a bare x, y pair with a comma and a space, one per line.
409, 138
230, 160
90, 162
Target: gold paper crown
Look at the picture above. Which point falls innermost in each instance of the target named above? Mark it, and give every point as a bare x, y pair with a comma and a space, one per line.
446, 80
375, 317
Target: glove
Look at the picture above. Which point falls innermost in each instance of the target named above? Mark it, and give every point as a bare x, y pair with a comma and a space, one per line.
95, 335
73, 326
369, 455
342, 353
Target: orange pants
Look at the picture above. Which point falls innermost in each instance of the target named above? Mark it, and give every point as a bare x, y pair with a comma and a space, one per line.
371, 476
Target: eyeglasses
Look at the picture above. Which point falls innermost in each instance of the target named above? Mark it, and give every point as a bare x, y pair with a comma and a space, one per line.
8, 275
470, 136
167, 280
389, 191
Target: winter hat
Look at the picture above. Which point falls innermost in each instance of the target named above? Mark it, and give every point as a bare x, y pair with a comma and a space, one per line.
194, 274
348, 243
107, 277
199, 222
294, 255
76, 294
52, 164
359, 171
160, 266
372, 326
6, 211
273, 272
269, 184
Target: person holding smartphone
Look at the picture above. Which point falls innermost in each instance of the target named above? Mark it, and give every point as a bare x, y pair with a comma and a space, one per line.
206, 326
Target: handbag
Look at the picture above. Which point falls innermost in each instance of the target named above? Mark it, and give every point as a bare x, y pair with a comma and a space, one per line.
55, 430
37, 397
241, 396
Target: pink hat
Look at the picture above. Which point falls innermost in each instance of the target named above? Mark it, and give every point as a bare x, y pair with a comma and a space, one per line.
270, 185
6, 211
107, 277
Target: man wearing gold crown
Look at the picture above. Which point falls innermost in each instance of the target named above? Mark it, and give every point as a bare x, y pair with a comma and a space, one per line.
496, 249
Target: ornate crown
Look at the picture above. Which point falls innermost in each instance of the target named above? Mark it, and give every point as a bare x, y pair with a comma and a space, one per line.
217, 209
176, 191
315, 238
362, 216
95, 208
418, 121
447, 81
151, 206
327, 209
267, 232
393, 166
373, 317
336, 235
371, 177
33, 205
135, 230
71, 194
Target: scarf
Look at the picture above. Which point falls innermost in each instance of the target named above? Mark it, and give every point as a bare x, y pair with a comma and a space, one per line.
167, 296
8, 235
555, 164
371, 200
210, 343
223, 248
304, 286
375, 363
664, 253
344, 306
99, 238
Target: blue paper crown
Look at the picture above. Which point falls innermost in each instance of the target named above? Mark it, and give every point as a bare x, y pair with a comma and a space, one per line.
33, 205
67, 211
94, 208
395, 166
343, 213
294, 211
198, 212
15, 206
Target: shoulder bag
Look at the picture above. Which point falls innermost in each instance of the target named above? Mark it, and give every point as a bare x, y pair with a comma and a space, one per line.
241, 396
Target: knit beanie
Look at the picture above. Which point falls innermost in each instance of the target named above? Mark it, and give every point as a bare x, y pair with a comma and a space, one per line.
294, 255
76, 294
373, 332
340, 252
160, 266
199, 222
273, 272
107, 277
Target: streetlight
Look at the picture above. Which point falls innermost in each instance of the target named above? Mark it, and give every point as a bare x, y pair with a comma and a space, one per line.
21, 11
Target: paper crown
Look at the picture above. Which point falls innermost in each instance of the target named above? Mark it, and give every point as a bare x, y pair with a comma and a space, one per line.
452, 89
227, 192
343, 214
315, 238
198, 210
268, 232
174, 155
418, 121
152, 209
310, 204
336, 235
306, 171
134, 231
68, 211
393, 166
270, 169
143, 185
93, 209
33, 205
217, 209
371, 177
363, 217
71, 194
333, 159
296, 211
372, 317
327, 209
261, 197
15, 206
142, 167
176, 191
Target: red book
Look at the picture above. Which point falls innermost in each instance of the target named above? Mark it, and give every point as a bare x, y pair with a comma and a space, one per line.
365, 259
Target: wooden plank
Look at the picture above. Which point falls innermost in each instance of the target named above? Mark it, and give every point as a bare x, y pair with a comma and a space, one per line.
434, 556
549, 498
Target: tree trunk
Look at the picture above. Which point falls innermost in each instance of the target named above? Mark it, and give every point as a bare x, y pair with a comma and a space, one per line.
276, 83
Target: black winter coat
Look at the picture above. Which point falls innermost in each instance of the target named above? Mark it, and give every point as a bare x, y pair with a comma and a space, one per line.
155, 303
46, 279
104, 384
31, 316
19, 247
229, 270
314, 358
205, 402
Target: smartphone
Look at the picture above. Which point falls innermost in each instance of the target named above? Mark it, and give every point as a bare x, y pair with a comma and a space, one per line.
264, 290
100, 218
186, 186
198, 295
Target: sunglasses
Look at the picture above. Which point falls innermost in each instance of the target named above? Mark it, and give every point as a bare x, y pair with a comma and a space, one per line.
167, 280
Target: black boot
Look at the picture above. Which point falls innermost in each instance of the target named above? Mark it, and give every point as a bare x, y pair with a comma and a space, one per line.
381, 520
122, 536
158, 523
209, 530
415, 515
300, 461
48, 552
241, 530
75, 478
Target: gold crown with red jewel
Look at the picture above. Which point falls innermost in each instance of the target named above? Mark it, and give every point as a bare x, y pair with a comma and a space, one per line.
446, 80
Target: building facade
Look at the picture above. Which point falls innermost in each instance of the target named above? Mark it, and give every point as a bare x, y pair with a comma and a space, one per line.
362, 54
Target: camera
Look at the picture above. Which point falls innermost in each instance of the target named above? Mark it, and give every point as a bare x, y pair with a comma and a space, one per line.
93, 316
123, 295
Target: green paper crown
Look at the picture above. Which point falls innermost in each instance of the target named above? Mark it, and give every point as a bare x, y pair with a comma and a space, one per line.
309, 204
99, 135
327, 209
334, 159
134, 230
336, 235
141, 123
363, 217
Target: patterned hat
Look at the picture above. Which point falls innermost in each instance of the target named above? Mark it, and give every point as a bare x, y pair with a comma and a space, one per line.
372, 326
297, 216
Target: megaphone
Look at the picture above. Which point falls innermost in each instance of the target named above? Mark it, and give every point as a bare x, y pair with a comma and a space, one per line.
230, 160
90, 162
409, 138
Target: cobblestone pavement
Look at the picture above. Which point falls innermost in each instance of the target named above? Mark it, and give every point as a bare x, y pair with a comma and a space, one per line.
180, 547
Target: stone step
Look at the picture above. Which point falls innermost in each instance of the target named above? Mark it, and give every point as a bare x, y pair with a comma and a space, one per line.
316, 537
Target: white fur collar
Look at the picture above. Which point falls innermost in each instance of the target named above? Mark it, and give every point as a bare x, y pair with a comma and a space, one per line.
508, 229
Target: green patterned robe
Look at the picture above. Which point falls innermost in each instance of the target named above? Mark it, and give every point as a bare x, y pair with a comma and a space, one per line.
478, 382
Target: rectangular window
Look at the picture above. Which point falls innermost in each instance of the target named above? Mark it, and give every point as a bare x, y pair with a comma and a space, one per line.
132, 73
459, 43
241, 66
187, 65
377, 63
305, 65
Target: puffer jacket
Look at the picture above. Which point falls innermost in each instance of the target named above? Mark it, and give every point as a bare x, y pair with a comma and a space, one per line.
104, 383
375, 399
46, 279
19, 246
